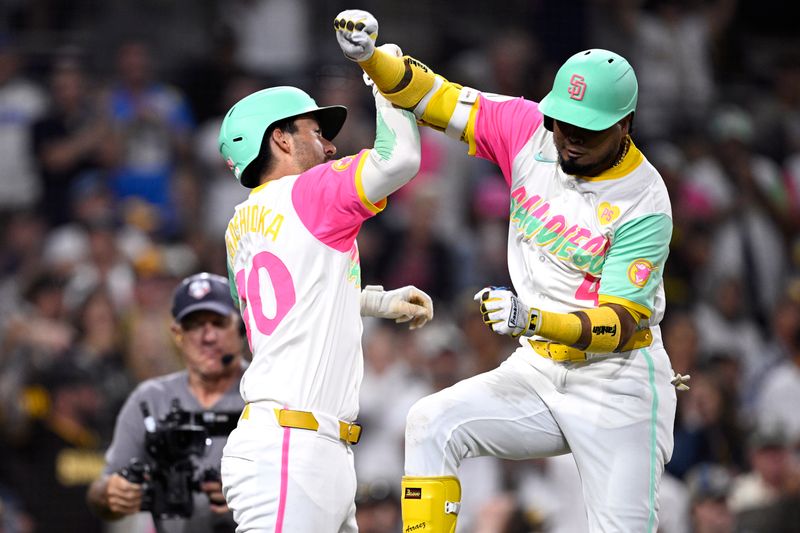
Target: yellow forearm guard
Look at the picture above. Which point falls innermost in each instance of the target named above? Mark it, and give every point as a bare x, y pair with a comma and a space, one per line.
602, 322
404, 81
559, 327
386, 70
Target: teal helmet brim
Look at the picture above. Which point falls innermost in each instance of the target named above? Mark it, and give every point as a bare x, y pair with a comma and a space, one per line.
330, 119
565, 111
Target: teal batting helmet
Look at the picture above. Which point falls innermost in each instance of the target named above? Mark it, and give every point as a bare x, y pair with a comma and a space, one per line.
593, 89
245, 124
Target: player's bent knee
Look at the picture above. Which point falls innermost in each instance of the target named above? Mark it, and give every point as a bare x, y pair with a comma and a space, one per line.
422, 421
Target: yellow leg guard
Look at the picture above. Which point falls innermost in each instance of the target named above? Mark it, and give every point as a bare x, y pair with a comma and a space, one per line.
430, 504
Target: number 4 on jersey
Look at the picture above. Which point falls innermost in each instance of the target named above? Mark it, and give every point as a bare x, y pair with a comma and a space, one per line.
589, 289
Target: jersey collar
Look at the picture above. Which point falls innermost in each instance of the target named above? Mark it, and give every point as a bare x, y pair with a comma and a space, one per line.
259, 188
632, 160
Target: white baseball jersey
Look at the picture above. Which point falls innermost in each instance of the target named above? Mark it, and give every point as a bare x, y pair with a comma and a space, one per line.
293, 258
575, 243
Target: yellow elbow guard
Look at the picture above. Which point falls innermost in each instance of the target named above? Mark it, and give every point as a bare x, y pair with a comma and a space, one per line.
440, 105
436, 102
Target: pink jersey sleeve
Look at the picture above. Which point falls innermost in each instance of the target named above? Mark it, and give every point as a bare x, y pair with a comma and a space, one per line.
331, 203
502, 128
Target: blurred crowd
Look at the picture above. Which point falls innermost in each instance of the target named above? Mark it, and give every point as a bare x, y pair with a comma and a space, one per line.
112, 190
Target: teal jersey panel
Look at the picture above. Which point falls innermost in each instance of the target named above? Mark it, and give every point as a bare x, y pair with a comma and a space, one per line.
635, 261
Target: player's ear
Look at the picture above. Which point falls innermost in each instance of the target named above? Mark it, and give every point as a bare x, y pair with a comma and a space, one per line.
281, 140
177, 333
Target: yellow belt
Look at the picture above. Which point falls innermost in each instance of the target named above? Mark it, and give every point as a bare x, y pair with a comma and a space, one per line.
561, 352
348, 431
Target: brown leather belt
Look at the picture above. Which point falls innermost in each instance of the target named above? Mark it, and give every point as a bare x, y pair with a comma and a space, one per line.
561, 352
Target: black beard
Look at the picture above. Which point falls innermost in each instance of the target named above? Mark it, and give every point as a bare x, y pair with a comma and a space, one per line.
569, 166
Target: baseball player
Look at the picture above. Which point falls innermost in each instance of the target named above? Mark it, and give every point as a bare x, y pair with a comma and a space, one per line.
292, 256
589, 233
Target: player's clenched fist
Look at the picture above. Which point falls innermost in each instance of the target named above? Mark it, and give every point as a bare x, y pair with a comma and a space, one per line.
356, 32
404, 304
505, 313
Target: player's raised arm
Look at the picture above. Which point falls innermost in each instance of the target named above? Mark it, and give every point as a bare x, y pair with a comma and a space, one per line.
404, 81
395, 157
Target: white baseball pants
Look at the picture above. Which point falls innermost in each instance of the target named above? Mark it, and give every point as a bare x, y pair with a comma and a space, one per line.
287, 480
615, 415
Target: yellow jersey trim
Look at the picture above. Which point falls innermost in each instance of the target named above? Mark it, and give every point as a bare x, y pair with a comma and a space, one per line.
260, 187
629, 163
632, 306
377, 207
469, 131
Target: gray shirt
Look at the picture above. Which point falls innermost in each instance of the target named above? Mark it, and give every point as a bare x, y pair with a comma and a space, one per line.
129, 442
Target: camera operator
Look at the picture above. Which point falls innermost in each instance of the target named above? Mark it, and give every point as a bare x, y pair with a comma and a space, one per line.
206, 330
